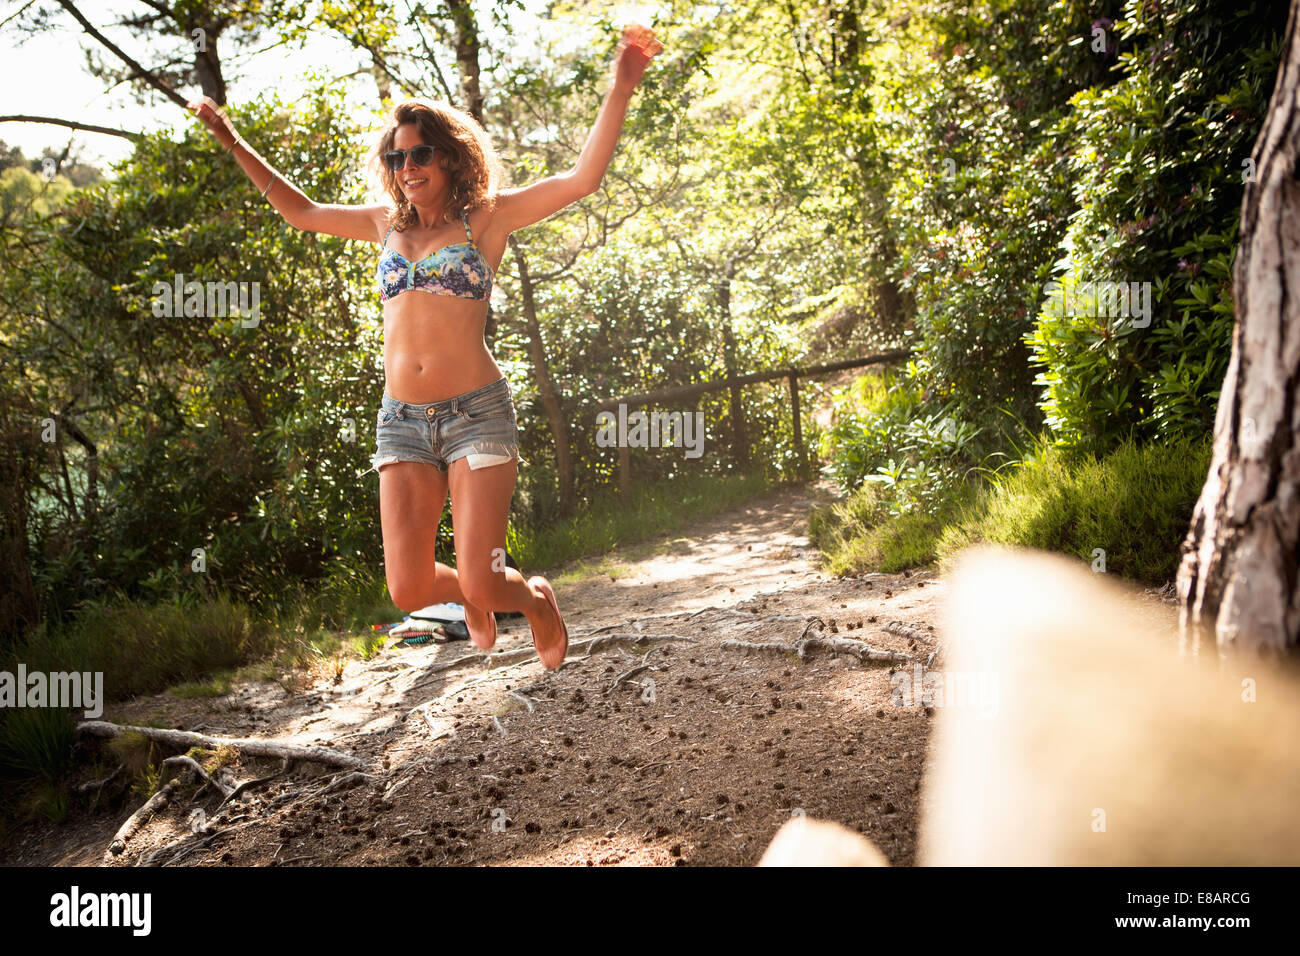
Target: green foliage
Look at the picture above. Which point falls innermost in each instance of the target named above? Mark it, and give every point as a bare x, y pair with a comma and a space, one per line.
142, 647
878, 175
870, 531
916, 457
242, 441
23, 194
1156, 169
1134, 504
1080, 144
35, 742
974, 200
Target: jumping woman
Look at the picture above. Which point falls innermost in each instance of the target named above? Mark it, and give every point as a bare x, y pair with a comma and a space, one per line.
447, 417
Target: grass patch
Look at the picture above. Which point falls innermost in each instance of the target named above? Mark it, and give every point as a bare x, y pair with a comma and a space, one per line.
36, 742
605, 567
605, 522
216, 686
862, 534
195, 649
369, 645
1135, 505
143, 648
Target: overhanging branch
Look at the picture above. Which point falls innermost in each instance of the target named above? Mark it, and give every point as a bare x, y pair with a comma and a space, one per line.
72, 124
143, 73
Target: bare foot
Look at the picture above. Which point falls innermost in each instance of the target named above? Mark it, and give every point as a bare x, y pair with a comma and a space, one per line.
482, 627
550, 635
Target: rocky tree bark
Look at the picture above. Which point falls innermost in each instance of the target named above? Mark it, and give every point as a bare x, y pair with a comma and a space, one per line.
1238, 579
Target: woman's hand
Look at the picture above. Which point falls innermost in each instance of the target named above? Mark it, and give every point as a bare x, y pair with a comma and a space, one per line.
636, 49
214, 118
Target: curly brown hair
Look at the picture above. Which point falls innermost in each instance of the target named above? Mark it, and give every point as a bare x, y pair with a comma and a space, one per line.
464, 151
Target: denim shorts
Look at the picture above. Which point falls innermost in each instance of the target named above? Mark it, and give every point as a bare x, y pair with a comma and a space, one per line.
479, 425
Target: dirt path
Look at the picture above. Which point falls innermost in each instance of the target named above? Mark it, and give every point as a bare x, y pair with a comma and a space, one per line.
697, 759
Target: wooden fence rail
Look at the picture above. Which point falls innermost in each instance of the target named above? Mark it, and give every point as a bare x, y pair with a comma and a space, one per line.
678, 393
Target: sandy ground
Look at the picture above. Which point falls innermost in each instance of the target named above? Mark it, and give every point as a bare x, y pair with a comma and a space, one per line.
697, 757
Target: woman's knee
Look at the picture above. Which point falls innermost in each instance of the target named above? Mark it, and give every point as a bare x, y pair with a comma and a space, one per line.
410, 593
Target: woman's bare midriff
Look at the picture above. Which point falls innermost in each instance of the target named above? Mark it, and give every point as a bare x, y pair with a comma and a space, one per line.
434, 348
433, 343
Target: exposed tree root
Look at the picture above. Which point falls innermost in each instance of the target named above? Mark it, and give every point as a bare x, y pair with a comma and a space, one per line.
900, 629
412, 768
527, 655
179, 850
618, 681
187, 762
354, 779
248, 785
494, 661
183, 740
96, 787
139, 819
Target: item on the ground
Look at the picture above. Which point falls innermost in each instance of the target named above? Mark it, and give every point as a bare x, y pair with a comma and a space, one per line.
439, 635
414, 630
456, 631
439, 612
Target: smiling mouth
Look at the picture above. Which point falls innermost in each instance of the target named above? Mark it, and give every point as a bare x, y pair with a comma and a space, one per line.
412, 183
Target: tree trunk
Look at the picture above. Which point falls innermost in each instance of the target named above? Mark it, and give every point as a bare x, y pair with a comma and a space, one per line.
467, 47
90, 506
207, 66
739, 433
382, 83
471, 97
1238, 576
19, 454
462, 14
545, 388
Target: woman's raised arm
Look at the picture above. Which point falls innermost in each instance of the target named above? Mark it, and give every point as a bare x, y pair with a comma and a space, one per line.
350, 222
521, 207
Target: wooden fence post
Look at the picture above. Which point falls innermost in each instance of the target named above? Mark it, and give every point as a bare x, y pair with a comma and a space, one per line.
624, 473
800, 457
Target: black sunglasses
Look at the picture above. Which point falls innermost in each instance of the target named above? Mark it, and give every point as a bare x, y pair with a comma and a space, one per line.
395, 159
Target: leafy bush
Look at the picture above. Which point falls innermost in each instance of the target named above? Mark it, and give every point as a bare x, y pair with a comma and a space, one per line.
887, 436
1156, 170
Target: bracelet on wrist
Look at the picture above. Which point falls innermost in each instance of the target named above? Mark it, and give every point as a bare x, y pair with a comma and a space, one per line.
268, 186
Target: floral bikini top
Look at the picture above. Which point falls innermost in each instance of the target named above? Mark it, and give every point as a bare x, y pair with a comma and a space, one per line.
458, 269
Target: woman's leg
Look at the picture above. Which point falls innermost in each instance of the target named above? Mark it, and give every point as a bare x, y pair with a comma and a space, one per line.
411, 498
480, 507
